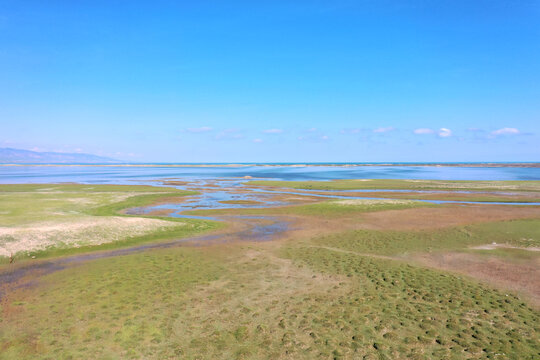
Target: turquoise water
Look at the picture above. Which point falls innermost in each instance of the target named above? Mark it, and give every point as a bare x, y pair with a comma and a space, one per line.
130, 175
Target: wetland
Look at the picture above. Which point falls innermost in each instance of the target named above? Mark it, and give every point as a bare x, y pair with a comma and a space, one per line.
230, 267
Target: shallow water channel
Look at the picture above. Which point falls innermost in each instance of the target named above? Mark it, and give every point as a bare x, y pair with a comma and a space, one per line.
237, 194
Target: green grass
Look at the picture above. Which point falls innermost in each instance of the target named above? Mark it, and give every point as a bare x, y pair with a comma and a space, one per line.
389, 184
522, 233
217, 303
509, 254
336, 208
395, 310
123, 307
30, 203
66, 204
116, 208
331, 208
453, 196
292, 300
189, 227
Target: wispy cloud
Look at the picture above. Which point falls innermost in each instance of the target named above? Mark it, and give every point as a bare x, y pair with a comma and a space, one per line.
201, 129
444, 132
506, 131
229, 134
313, 138
383, 129
423, 131
273, 131
257, 140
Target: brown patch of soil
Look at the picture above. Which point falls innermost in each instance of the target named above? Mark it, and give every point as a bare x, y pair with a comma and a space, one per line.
240, 202
521, 277
159, 212
439, 217
175, 183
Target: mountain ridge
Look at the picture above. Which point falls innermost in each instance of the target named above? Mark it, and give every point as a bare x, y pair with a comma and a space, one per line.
21, 156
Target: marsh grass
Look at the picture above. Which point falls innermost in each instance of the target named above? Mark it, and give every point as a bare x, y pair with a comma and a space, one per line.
336, 208
514, 255
109, 308
522, 233
244, 302
396, 310
328, 208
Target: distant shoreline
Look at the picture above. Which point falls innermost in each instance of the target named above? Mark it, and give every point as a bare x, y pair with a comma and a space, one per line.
240, 165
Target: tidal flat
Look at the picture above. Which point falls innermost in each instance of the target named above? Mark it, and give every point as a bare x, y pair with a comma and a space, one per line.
221, 269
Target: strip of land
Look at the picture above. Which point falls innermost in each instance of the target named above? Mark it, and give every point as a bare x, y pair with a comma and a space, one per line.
394, 184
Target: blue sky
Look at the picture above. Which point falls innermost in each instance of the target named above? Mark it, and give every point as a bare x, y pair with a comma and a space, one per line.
272, 81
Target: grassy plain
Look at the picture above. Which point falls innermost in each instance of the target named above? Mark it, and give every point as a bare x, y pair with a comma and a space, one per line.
347, 294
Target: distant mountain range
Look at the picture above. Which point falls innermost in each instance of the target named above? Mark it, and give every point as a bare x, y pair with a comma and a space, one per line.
19, 156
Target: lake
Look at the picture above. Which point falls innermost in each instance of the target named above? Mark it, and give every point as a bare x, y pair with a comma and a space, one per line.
131, 174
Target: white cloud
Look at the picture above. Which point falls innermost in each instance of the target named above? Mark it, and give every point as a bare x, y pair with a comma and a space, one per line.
312, 130
273, 131
444, 132
229, 134
383, 129
506, 131
324, 137
257, 140
201, 129
423, 131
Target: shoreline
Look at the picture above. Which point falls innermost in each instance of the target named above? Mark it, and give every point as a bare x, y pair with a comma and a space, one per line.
241, 165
